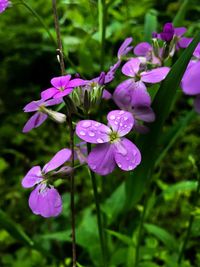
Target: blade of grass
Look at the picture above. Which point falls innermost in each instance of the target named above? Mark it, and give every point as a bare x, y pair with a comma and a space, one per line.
178, 19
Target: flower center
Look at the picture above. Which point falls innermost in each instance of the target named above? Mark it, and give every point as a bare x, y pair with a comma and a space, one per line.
114, 137
61, 88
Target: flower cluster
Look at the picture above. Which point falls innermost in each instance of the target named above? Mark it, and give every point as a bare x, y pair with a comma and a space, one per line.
143, 67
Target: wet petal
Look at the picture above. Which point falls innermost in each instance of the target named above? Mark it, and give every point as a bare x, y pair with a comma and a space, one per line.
93, 132
45, 202
101, 159
33, 177
61, 81
35, 121
197, 104
48, 93
129, 160
60, 158
155, 75
121, 121
142, 49
191, 80
131, 68
140, 95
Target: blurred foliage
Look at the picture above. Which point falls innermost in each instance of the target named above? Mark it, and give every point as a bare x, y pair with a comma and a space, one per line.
27, 63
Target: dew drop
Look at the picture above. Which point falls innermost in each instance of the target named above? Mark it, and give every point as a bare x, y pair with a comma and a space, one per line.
121, 112
125, 118
112, 117
94, 167
130, 168
121, 124
119, 165
91, 134
86, 124
82, 133
116, 122
99, 140
97, 124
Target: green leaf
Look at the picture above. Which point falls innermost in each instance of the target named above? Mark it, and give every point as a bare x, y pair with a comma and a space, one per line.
180, 187
62, 236
148, 144
164, 236
150, 24
179, 18
124, 238
148, 264
14, 229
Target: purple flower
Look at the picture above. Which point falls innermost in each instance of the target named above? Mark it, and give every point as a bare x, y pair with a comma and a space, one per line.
3, 5
168, 32
62, 86
45, 200
133, 69
112, 147
134, 98
145, 53
42, 113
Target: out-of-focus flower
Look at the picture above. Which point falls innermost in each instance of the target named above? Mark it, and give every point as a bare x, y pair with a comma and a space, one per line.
45, 200
112, 147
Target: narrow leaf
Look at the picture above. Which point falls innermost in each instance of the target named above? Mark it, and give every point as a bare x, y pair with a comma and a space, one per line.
150, 24
179, 18
124, 238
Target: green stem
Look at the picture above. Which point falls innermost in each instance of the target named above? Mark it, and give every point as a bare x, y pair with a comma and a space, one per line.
102, 10
37, 16
141, 223
99, 217
191, 220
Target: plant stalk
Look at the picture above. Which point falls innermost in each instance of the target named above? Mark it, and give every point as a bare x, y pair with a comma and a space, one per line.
98, 211
71, 131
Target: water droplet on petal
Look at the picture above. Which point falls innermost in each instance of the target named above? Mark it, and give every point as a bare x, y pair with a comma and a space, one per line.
121, 124
127, 158
116, 122
130, 168
97, 124
82, 133
99, 140
121, 112
91, 134
93, 167
86, 124
125, 118
119, 165
112, 117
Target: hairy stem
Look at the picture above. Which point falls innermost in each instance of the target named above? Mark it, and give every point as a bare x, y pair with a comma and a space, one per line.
98, 211
191, 220
58, 36
102, 10
71, 131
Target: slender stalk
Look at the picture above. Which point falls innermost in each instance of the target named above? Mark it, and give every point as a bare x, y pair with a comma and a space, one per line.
191, 220
98, 210
58, 35
71, 130
102, 10
140, 229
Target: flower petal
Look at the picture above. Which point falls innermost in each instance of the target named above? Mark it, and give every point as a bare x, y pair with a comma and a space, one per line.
140, 95
33, 106
191, 79
59, 159
93, 132
125, 48
101, 159
63, 93
184, 42
179, 31
131, 68
121, 121
60, 81
142, 49
48, 93
129, 160
144, 113
155, 75
33, 177
76, 82
106, 95
35, 121
45, 202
